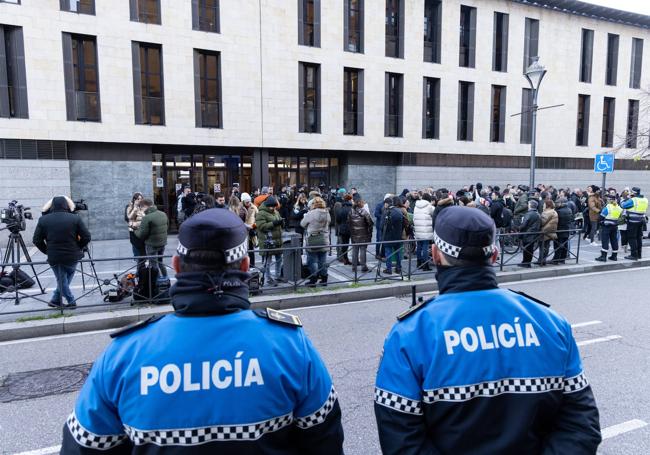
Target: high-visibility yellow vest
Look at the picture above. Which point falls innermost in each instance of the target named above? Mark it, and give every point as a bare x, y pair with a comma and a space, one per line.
640, 205
614, 212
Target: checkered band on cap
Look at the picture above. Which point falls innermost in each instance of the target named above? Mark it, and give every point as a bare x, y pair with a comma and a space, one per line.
87, 439
232, 255
320, 415
575, 384
495, 388
453, 250
397, 402
203, 435
237, 253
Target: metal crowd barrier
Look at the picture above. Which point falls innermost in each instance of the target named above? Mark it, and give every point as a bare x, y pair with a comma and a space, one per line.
295, 276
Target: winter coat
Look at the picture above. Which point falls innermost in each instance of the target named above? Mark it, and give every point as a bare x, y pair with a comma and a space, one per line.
422, 220
549, 222
296, 214
134, 213
496, 212
440, 206
407, 223
530, 223
269, 223
595, 205
521, 207
251, 215
341, 215
392, 224
565, 219
317, 221
61, 235
379, 210
153, 229
360, 224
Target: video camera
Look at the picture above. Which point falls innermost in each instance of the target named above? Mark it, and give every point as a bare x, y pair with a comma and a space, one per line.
14, 216
80, 206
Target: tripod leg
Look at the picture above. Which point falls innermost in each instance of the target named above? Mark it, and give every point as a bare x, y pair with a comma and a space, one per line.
83, 276
29, 259
94, 270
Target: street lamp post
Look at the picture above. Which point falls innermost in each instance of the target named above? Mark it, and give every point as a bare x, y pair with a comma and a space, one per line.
534, 74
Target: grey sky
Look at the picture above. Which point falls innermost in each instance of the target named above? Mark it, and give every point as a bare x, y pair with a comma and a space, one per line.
636, 6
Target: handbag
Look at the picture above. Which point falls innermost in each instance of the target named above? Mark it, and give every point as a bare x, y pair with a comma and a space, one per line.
318, 240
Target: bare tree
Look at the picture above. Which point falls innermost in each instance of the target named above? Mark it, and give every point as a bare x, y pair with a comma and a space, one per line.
635, 143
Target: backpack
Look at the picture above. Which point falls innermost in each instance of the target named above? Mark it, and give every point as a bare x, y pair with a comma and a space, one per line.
146, 287
22, 280
506, 217
125, 287
6, 283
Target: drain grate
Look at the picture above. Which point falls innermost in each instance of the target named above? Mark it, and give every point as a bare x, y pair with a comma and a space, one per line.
28, 385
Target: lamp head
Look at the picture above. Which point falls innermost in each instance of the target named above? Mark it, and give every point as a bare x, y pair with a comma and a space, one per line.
535, 73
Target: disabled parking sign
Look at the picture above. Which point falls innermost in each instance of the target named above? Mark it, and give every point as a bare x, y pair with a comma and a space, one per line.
604, 163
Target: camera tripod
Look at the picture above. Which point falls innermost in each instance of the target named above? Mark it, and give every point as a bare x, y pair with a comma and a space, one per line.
92, 273
16, 245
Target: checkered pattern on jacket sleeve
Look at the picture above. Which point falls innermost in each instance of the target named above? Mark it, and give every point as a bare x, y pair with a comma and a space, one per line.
575, 384
90, 440
320, 415
397, 402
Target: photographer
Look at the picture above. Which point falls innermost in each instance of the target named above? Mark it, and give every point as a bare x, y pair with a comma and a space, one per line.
62, 236
269, 227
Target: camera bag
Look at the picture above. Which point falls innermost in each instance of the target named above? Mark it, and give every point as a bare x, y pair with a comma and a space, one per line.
22, 280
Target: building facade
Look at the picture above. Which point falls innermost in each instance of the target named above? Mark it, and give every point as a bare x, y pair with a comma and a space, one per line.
100, 99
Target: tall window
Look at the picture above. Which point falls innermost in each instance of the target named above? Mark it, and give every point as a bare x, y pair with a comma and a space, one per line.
353, 101
465, 111
467, 48
586, 55
309, 23
431, 108
147, 11
612, 59
395, 28
526, 131
637, 63
432, 30
81, 77
582, 130
13, 80
531, 41
78, 6
393, 105
498, 114
205, 15
632, 124
309, 97
148, 93
15, 2
353, 14
207, 89
609, 112
500, 47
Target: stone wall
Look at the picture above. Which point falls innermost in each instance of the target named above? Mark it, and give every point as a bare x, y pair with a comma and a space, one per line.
454, 178
107, 186
32, 183
372, 181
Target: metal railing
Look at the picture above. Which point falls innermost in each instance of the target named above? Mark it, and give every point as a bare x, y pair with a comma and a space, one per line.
300, 268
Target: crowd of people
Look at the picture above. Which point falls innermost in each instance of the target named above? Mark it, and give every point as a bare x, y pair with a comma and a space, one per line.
542, 220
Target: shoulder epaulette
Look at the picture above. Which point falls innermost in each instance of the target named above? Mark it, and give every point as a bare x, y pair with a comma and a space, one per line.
136, 325
405, 314
523, 294
279, 317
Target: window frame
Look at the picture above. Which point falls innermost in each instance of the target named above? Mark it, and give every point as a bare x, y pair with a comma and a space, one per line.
582, 125
304, 76
350, 107
611, 66
432, 31
348, 44
75, 71
394, 29
531, 43
586, 53
465, 118
201, 81
139, 97
199, 8
498, 114
394, 105
136, 12
430, 108
13, 77
526, 127
467, 37
303, 15
636, 64
632, 129
609, 117
65, 5
500, 52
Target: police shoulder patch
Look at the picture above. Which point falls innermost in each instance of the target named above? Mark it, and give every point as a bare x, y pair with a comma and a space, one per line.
136, 326
279, 316
405, 314
523, 294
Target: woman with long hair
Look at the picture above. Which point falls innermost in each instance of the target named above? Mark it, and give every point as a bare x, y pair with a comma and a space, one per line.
134, 215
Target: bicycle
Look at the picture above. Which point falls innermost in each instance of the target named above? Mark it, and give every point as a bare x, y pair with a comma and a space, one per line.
510, 244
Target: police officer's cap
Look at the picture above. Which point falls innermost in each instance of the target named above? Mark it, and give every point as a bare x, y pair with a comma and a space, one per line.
636, 190
611, 197
465, 233
214, 230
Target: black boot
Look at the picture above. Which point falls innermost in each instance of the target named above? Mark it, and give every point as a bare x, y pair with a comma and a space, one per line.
602, 257
613, 257
419, 264
632, 258
323, 280
312, 282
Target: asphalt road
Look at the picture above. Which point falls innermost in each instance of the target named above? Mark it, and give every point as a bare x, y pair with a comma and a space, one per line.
350, 336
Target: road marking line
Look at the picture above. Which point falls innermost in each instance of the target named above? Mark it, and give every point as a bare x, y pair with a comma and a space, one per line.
621, 428
599, 340
45, 451
571, 276
585, 324
55, 337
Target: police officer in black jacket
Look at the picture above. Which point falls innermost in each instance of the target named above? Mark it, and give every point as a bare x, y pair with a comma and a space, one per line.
62, 236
